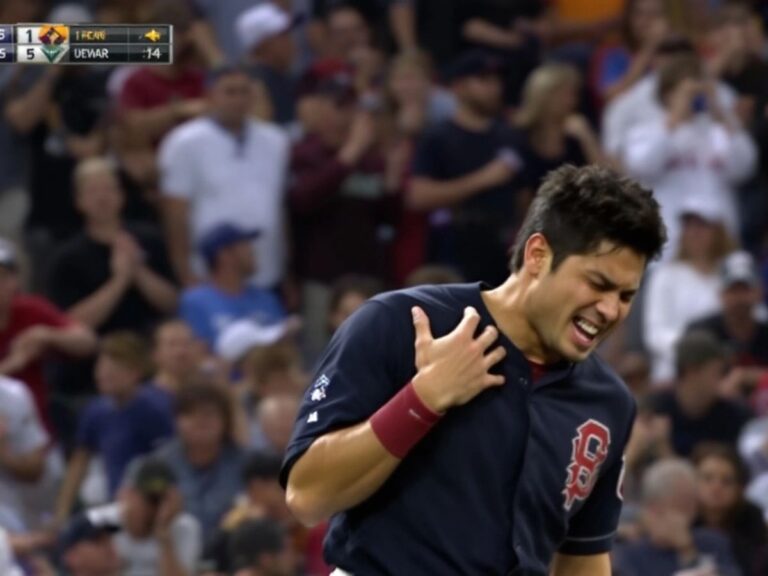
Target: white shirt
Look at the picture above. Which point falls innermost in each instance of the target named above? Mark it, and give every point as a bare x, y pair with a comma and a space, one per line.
641, 104
677, 294
141, 557
29, 502
697, 162
232, 180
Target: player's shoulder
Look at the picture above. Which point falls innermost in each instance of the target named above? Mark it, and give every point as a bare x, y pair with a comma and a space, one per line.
438, 298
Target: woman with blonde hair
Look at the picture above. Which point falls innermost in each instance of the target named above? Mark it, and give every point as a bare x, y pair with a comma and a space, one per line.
551, 130
686, 288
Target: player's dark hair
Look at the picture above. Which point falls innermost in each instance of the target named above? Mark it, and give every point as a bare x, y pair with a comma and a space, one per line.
576, 209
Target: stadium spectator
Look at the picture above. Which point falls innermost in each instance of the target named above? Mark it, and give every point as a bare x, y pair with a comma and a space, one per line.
123, 422
154, 99
617, 66
350, 40
61, 114
340, 201
203, 456
267, 371
226, 167
693, 150
551, 132
686, 288
259, 547
113, 275
739, 328
275, 415
174, 358
30, 466
722, 480
466, 165
417, 104
153, 533
228, 297
87, 548
30, 329
671, 544
693, 405
348, 293
640, 104
266, 33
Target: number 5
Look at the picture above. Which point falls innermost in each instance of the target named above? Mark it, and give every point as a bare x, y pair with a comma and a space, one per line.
30, 53
2, 33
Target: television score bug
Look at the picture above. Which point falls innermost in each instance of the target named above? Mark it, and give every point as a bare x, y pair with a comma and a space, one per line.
52, 43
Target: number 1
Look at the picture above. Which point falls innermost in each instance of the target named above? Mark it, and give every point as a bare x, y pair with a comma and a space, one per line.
29, 36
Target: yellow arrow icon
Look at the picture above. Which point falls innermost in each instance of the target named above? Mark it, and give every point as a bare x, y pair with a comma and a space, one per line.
153, 35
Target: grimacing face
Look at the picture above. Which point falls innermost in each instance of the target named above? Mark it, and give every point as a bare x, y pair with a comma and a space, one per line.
574, 308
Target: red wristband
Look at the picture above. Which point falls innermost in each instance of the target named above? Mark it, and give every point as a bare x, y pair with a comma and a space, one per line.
403, 421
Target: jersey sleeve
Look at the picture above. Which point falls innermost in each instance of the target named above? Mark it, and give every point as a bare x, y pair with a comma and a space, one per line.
367, 361
592, 529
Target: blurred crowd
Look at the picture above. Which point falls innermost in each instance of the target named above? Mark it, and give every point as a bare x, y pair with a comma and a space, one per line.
178, 243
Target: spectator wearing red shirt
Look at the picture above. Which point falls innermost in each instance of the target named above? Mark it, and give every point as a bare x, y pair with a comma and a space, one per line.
154, 99
30, 327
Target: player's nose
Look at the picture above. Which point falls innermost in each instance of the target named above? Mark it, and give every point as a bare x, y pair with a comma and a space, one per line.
609, 307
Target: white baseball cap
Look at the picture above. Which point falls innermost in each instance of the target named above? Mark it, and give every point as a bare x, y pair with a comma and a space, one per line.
260, 23
242, 335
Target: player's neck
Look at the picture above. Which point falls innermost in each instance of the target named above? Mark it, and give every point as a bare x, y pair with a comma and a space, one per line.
506, 306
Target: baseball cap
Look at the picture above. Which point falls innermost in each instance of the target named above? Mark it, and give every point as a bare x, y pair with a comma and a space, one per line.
8, 256
221, 236
738, 268
153, 478
85, 527
262, 22
705, 208
242, 335
475, 63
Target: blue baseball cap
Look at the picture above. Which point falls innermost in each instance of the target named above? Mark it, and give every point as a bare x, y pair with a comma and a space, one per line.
221, 236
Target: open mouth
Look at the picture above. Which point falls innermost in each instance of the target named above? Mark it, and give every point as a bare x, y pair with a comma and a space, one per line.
586, 332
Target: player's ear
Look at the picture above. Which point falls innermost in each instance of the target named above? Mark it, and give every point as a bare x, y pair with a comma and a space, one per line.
537, 256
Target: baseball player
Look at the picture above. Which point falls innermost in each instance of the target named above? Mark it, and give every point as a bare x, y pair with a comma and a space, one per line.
493, 446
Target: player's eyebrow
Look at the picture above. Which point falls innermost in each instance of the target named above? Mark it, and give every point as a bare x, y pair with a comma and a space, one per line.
608, 284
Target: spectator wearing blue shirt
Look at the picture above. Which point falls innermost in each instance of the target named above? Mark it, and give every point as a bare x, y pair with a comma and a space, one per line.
204, 457
123, 422
227, 296
671, 544
174, 358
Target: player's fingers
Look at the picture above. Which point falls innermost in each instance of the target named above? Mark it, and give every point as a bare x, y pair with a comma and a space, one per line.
494, 357
421, 325
469, 322
488, 337
493, 380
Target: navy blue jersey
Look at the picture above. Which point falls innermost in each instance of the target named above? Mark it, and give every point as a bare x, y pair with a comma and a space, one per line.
501, 483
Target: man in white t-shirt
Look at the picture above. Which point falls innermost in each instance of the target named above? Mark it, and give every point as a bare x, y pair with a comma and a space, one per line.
153, 536
28, 468
226, 167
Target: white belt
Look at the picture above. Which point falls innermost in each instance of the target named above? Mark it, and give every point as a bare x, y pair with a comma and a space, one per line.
340, 572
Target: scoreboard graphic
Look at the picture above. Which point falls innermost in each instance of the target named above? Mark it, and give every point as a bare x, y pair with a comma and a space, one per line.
87, 44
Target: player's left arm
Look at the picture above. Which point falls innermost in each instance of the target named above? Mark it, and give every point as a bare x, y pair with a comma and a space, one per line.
593, 565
